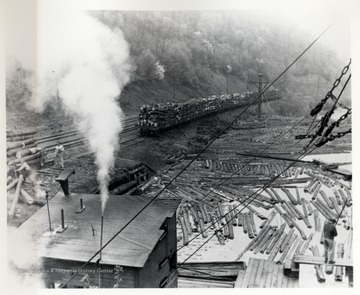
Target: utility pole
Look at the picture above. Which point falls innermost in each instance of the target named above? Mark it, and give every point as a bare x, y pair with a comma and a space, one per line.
260, 84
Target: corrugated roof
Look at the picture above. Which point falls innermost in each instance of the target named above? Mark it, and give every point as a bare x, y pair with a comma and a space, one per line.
130, 248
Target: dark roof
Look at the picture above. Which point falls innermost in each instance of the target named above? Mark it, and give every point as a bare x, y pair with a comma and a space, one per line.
130, 248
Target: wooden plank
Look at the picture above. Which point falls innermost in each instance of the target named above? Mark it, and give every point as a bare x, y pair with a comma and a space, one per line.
198, 283
320, 260
259, 273
269, 276
275, 276
247, 273
280, 276
265, 273
253, 274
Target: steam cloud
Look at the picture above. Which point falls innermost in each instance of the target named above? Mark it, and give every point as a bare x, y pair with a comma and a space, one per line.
86, 65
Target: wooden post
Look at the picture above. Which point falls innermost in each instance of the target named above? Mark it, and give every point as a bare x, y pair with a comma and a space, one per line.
16, 195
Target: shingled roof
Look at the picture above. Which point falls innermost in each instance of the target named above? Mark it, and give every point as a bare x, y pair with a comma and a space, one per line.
130, 248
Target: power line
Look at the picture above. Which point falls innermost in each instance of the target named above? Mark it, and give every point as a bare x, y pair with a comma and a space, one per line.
197, 156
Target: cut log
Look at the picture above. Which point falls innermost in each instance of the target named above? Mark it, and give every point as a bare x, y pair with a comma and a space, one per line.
300, 230
298, 195
229, 226
317, 222
287, 252
289, 195
308, 187
309, 207
326, 199
240, 219
254, 241
336, 206
277, 246
303, 204
279, 233
294, 211
316, 191
345, 200
252, 223
287, 240
276, 195
306, 245
12, 184
319, 271
16, 195
261, 247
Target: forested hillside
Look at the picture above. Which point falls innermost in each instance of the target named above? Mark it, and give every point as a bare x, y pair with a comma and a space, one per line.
195, 52
180, 55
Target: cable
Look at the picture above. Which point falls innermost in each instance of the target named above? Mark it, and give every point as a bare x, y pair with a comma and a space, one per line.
197, 156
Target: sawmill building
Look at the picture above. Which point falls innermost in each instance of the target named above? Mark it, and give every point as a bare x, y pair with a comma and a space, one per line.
145, 250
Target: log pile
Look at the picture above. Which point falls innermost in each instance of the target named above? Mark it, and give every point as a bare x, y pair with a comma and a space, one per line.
157, 117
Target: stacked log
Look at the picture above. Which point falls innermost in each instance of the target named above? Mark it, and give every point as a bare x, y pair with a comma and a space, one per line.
277, 237
269, 219
286, 241
160, 116
264, 240
277, 246
251, 246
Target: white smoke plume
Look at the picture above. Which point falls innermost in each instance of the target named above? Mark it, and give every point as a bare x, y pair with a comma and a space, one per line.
86, 64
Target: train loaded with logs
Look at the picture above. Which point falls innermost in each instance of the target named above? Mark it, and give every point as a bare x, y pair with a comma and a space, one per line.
158, 117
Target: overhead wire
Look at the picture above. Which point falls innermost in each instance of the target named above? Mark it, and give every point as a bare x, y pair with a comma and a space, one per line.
197, 156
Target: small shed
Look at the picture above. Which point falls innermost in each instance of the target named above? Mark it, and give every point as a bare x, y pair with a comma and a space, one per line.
144, 252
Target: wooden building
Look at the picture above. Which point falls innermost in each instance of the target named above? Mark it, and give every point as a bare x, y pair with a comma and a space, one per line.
145, 250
